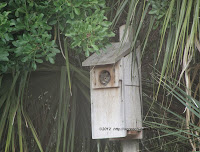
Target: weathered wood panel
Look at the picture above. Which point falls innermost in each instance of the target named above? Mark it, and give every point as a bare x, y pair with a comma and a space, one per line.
132, 107
112, 54
132, 93
107, 110
125, 36
107, 113
131, 70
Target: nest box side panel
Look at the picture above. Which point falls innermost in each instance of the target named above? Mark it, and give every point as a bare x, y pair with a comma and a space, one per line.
132, 69
132, 92
107, 109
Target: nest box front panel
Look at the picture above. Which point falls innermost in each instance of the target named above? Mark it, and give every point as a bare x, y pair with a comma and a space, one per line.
107, 106
106, 76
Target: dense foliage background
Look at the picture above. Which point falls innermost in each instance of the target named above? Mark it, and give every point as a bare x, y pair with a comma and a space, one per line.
27, 26
32, 33
44, 91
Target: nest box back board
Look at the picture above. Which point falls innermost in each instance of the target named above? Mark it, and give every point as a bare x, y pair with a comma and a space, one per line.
115, 91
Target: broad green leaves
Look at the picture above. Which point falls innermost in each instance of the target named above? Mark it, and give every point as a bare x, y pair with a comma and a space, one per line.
26, 30
91, 33
4, 24
31, 49
25, 37
4, 56
29, 34
83, 23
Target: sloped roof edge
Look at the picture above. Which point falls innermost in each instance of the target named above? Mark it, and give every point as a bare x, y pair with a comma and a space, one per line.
112, 54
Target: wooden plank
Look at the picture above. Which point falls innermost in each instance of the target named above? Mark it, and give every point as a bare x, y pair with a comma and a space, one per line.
128, 37
131, 76
132, 107
107, 111
130, 146
132, 94
112, 54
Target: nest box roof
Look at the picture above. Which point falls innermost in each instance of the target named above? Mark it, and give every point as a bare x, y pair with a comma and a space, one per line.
112, 54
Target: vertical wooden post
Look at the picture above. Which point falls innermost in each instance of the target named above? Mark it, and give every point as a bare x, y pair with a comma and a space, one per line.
128, 37
130, 146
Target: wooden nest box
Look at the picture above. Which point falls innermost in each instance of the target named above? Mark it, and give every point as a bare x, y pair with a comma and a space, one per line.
115, 80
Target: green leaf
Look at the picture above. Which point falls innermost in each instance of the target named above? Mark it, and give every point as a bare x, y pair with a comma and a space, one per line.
51, 60
34, 66
22, 42
6, 36
61, 26
95, 47
21, 9
2, 5
72, 15
106, 23
87, 53
69, 34
77, 10
53, 22
111, 34
153, 12
24, 59
55, 50
4, 59
4, 56
39, 60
